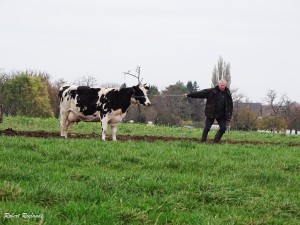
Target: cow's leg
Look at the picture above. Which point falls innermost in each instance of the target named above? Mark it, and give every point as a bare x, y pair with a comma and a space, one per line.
114, 132
62, 127
68, 124
63, 124
104, 122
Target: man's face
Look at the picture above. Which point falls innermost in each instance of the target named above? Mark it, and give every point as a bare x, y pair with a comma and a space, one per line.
222, 86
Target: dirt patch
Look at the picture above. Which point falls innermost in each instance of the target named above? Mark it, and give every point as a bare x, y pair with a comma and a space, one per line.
44, 134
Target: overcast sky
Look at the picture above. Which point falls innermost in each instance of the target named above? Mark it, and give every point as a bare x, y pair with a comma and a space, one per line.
171, 40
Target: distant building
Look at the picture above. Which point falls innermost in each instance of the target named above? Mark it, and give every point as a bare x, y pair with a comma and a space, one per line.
254, 107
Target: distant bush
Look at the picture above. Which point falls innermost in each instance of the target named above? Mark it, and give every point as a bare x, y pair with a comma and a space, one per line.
27, 95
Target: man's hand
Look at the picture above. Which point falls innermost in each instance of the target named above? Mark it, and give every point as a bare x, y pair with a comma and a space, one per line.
185, 95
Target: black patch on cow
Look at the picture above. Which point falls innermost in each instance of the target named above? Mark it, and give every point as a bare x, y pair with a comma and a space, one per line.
60, 93
80, 90
83, 88
86, 99
115, 99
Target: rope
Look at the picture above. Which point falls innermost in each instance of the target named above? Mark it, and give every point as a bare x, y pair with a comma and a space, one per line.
170, 95
144, 96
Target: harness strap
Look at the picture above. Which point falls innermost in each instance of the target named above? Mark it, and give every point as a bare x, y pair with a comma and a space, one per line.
143, 96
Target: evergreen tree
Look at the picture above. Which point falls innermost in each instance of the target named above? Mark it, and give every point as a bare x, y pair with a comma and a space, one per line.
221, 71
153, 90
123, 85
178, 88
190, 86
172, 103
195, 86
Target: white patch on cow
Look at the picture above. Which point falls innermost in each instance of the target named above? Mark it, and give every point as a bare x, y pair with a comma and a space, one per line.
103, 106
72, 88
145, 93
104, 91
116, 117
133, 100
76, 116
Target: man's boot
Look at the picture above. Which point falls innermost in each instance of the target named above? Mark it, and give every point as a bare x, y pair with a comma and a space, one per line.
218, 136
204, 136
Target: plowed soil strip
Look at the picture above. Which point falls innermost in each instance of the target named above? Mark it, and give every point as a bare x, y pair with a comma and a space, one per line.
44, 134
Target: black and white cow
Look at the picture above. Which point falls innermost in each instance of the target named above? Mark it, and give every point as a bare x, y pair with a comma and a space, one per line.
107, 105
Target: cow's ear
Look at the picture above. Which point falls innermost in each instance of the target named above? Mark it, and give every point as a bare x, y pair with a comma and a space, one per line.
134, 88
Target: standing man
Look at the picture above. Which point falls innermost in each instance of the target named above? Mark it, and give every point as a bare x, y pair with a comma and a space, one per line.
218, 106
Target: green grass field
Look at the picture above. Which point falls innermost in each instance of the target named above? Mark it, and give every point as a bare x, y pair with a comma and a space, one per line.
88, 181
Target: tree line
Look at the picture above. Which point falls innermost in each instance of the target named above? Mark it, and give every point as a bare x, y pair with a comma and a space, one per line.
32, 93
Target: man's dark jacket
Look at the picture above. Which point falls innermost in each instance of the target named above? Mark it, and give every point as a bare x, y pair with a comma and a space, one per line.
210, 95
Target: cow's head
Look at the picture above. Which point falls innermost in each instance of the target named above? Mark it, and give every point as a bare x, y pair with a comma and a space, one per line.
140, 94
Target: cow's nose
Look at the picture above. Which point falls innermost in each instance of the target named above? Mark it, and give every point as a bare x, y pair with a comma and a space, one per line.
148, 104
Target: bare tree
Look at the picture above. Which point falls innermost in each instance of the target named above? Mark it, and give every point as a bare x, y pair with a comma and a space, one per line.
289, 112
295, 121
276, 106
237, 98
110, 85
221, 71
285, 108
87, 81
137, 75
